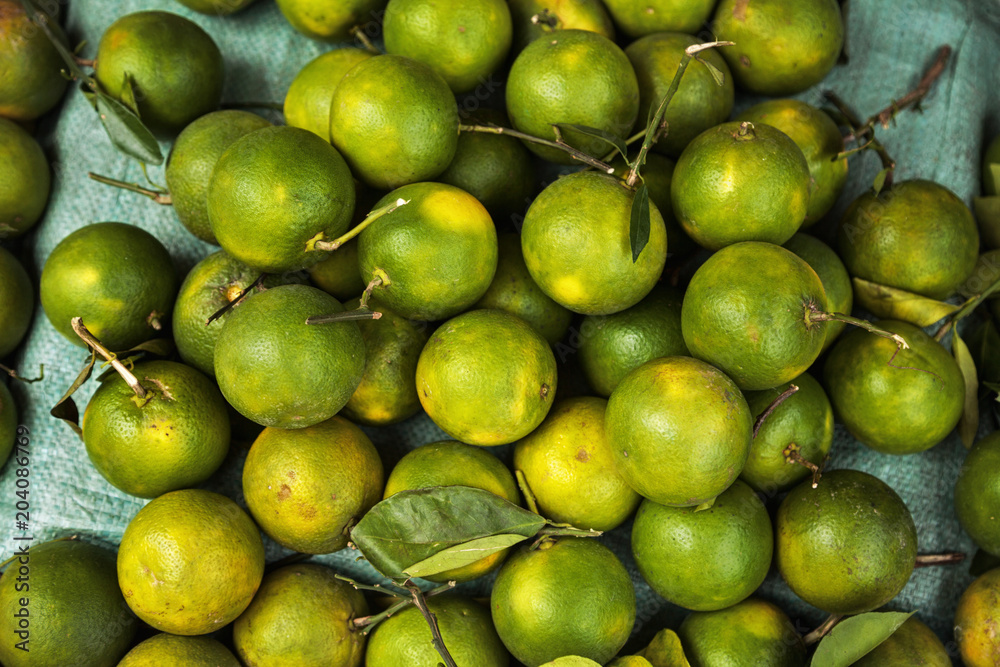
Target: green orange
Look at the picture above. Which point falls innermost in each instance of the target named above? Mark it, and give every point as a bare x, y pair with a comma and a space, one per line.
8, 423
831, 271
657, 16
24, 180
17, 301
977, 493
976, 620
559, 15
331, 23
753, 633
167, 649
31, 81
912, 644
308, 101
338, 273
991, 160
216, 7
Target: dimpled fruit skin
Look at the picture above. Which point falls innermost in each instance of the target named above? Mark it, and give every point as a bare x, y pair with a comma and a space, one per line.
576, 77
847, 546
439, 251
753, 633
912, 645
30, 78
216, 7
395, 120
976, 620
405, 638
831, 271
167, 649
745, 313
568, 597
175, 66
275, 190
917, 236
307, 104
904, 406
575, 241
193, 157
74, 600
668, 450
304, 487
330, 21
302, 616
24, 180
698, 104
572, 15
977, 494
17, 301
277, 370
642, 18
719, 201
114, 276
190, 562
486, 377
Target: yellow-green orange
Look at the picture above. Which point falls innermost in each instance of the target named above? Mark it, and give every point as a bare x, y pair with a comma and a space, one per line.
307, 487
338, 273
699, 103
748, 311
17, 301
782, 47
642, 18
976, 620
753, 633
167, 649
117, 277
439, 251
832, 273
486, 377
564, 14
917, 236
395, 120
173, 67
568, 466
64, 598
322, 20
572, 77
575, 241
190, 562
193, 157
24, 180
819, 139
977, 494
912, 645
309, 98
679, 431
216, 7
567, 597
8, 423
895, 402
847, 546
277, 370
31, 82
301, 617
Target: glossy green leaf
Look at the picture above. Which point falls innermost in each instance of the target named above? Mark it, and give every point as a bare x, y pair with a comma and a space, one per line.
638, 230
128, 95
616, 142
666, 651
880, 180
66, 409
891, 303
716, 73
461, 555
126, 131
412, 526
968, 425
855, 637
987, 210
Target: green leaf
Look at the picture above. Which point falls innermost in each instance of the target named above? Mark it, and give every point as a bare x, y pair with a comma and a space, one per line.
411, 526
126, 131
611, 139
638, 228
462, 555
716, 73
982, 563
855, 637
128, 95
987, 211
66, 409
880, 180
666, 651
896, 304
968, 425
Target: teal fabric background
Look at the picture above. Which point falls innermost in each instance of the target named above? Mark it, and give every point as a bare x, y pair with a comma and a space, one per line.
889, 45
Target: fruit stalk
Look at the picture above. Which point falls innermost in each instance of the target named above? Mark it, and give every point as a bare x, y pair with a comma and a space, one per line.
792, 456
823, 630
930, 560
814, 314
91, 340
558, 144
317, 243
420, 603
14, 374
782, 397
233, 303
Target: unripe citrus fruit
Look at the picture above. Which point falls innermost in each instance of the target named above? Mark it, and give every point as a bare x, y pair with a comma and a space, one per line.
31, 81
754, 633
216, 7
564, 15
17, 301
912, 644
308, 101
642, 18
975, 621
167, 649
831, 271
977, 494
330, 22
8, 423
24, 180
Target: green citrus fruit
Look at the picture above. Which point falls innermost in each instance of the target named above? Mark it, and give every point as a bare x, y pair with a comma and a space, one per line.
613, 345
847, 546
117, 277
569, 468
274, 193
642, 18
912, 645
450, 463
168, 64
679, 431
486, 377
514, 290
832, 273
405, 638
895, 402
17, 301
558, 15
753, 633
977, 494
699, 103
190, 562
24, 179
62, 601
338, 273
279, 371
820, 141
464, 41
307, 487
567, 597
740, 182
782, 47
301, 616
31, 82
747, 311
577, 661
575, 241
438, 251
976, 621
216, 7
395, 120
985, 273
704, 559
167, 649
991, 160
193, 157
322, 20
8, 423
917, 236
308, 101
805, 418
572, 77
387, 393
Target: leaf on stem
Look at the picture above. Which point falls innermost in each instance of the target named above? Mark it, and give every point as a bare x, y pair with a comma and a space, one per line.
66, 409
716, 73
157, 347
856, 637
895, 304
968, 425
638, 230
611, 139
128, 95
126, 131
880, 180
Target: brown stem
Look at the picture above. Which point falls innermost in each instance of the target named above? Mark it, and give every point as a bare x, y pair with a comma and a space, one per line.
859, 130
814, 314
239, 297
158, 197
823, 630
782, 397
359, 313
367, 623
792, 455
111, 357
545, 18
359, 34
14, 374
930, 560
914, 96
83, 62
420, 603
558, 144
